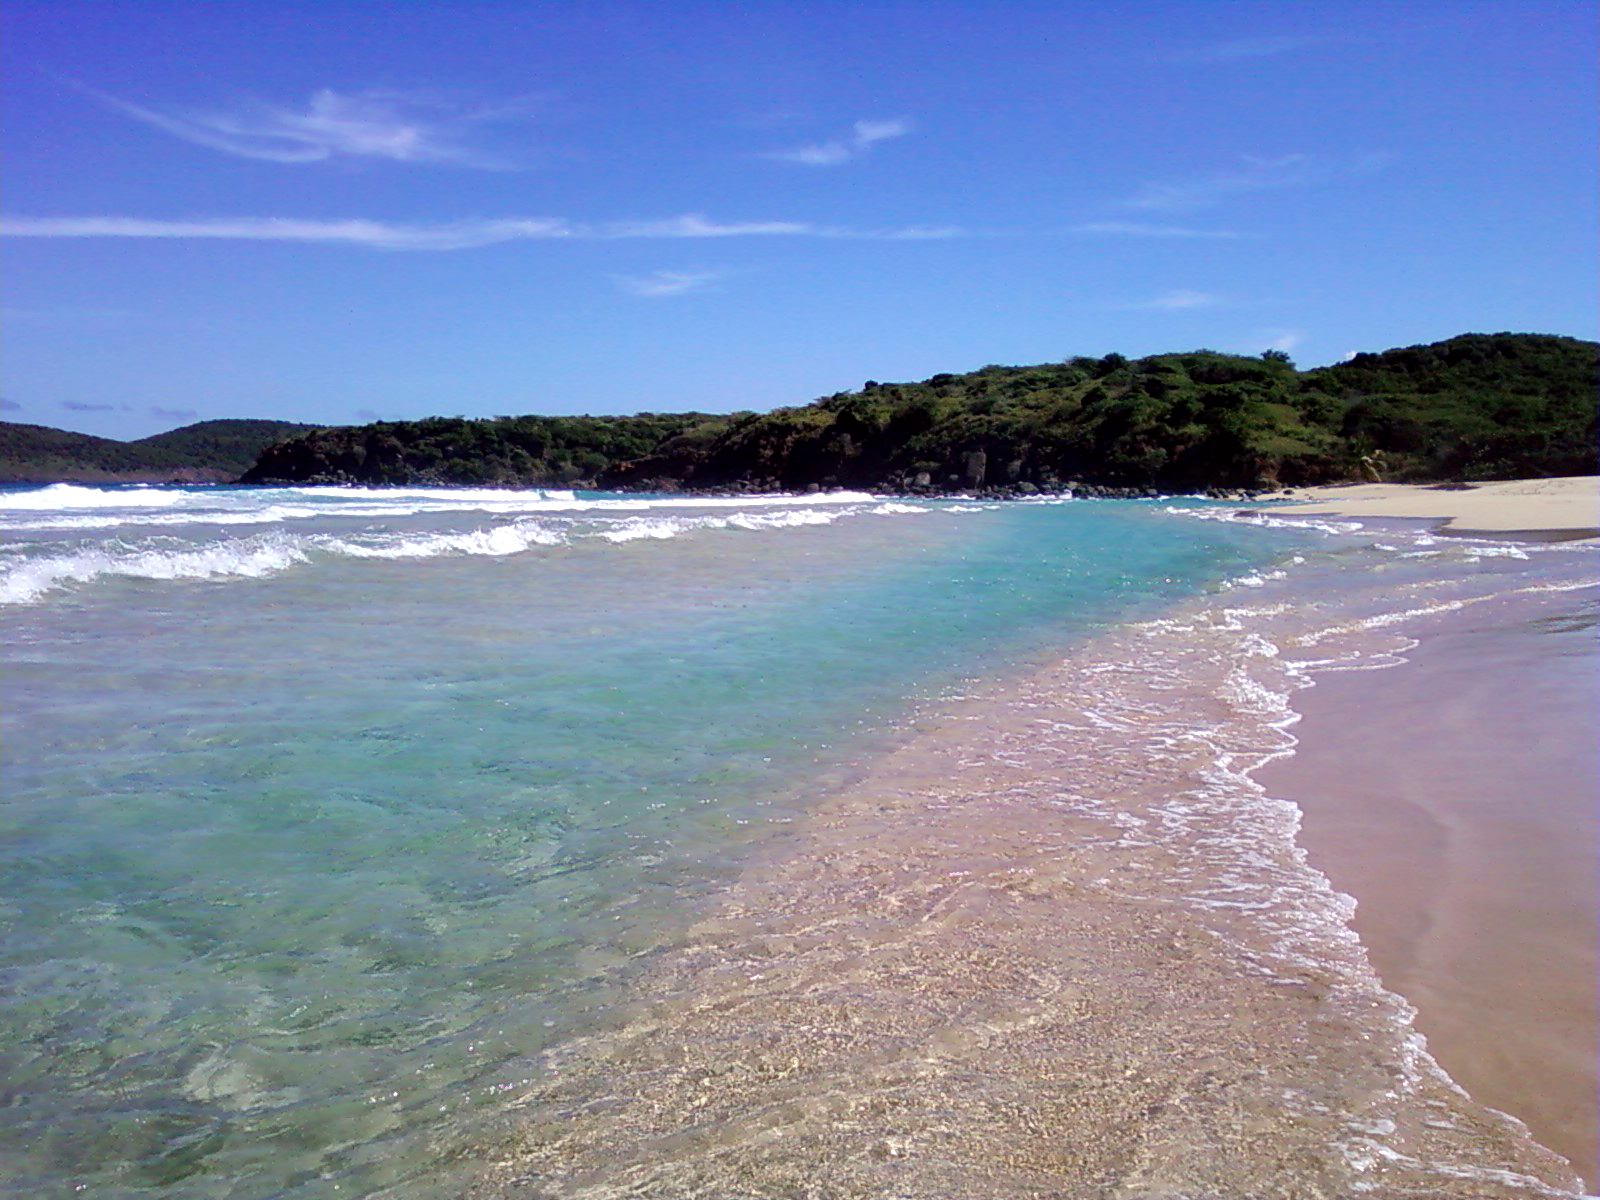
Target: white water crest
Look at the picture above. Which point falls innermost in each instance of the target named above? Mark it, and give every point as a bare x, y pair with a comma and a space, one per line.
66, 536
56, 497
74, 506
244, 558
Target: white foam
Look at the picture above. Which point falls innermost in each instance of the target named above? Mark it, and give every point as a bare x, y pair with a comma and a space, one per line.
498, 541
70, 506
664, 527
1236, 516
401, 501
447, 495
165, 517
661, 528
251, 558
57, 497
1497, 552
32, 572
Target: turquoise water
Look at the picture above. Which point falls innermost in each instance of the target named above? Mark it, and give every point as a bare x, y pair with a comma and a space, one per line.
326, 811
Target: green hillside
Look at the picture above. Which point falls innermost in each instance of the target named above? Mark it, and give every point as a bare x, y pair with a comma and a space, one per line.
210, 451
506, 450
231, 446
1473, 407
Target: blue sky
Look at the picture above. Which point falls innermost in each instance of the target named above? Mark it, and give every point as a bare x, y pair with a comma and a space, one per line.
340, 212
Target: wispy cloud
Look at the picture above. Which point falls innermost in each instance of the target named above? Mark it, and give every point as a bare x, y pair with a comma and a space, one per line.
1279, 339
379, 234
1242, 48
1182, 298
1254, 173
459, 235
862, 137
173, 414
80, 406
396, 126
668, 283
9, 405
1139, 229
694, 225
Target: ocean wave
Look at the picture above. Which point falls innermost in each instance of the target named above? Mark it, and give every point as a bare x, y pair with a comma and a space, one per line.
497, 541
1238, 516
669, 527
660, 528
71, 496
1496, 551
29, 573
71, 506
159, 517
402, 501
446, 495
251, 558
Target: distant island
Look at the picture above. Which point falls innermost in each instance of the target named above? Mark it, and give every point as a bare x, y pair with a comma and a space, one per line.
1479, 406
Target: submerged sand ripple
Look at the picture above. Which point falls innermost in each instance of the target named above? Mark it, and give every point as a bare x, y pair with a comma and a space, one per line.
1057, 944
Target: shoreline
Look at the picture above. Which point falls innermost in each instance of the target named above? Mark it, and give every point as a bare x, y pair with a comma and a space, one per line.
1468, 837
1559, 509
1044, 943
1452, 796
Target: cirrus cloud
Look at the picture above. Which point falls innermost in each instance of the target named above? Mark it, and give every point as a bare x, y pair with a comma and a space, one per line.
668, 283
395, 126
862, 137
1183, 298
1140, 229
458, 235
1255, 173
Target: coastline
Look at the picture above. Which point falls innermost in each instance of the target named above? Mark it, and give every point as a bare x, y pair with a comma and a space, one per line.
1467, 833
1060, 937
1559, 509
1041, 932
1452, 797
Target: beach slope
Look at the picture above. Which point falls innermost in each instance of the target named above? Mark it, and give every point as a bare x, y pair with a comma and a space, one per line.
1544, 509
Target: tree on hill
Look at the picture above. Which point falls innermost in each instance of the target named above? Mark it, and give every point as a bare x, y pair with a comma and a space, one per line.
1470, 407
209, 451
507, 451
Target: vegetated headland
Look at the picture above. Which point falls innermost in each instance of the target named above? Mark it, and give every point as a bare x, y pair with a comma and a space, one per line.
1479, 406
207, 452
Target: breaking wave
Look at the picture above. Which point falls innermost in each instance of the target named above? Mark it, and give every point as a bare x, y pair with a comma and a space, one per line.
31, 569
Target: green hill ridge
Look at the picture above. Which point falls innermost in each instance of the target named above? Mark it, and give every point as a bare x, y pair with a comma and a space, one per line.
1477, 406
206, 452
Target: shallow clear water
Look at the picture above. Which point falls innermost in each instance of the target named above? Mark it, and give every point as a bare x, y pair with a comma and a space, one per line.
331, 815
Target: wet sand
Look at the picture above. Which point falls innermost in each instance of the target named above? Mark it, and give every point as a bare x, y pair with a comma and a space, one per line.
1454, 797
1055, 943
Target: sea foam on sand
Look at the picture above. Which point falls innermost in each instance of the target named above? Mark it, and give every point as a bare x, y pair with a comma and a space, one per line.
1567, 507
1453, 796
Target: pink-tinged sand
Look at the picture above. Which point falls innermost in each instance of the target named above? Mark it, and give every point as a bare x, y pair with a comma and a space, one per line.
1455, 797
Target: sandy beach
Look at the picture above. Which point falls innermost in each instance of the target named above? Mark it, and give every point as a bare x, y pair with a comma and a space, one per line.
1545, 509
1453, 797
1005, 958
1466, 827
